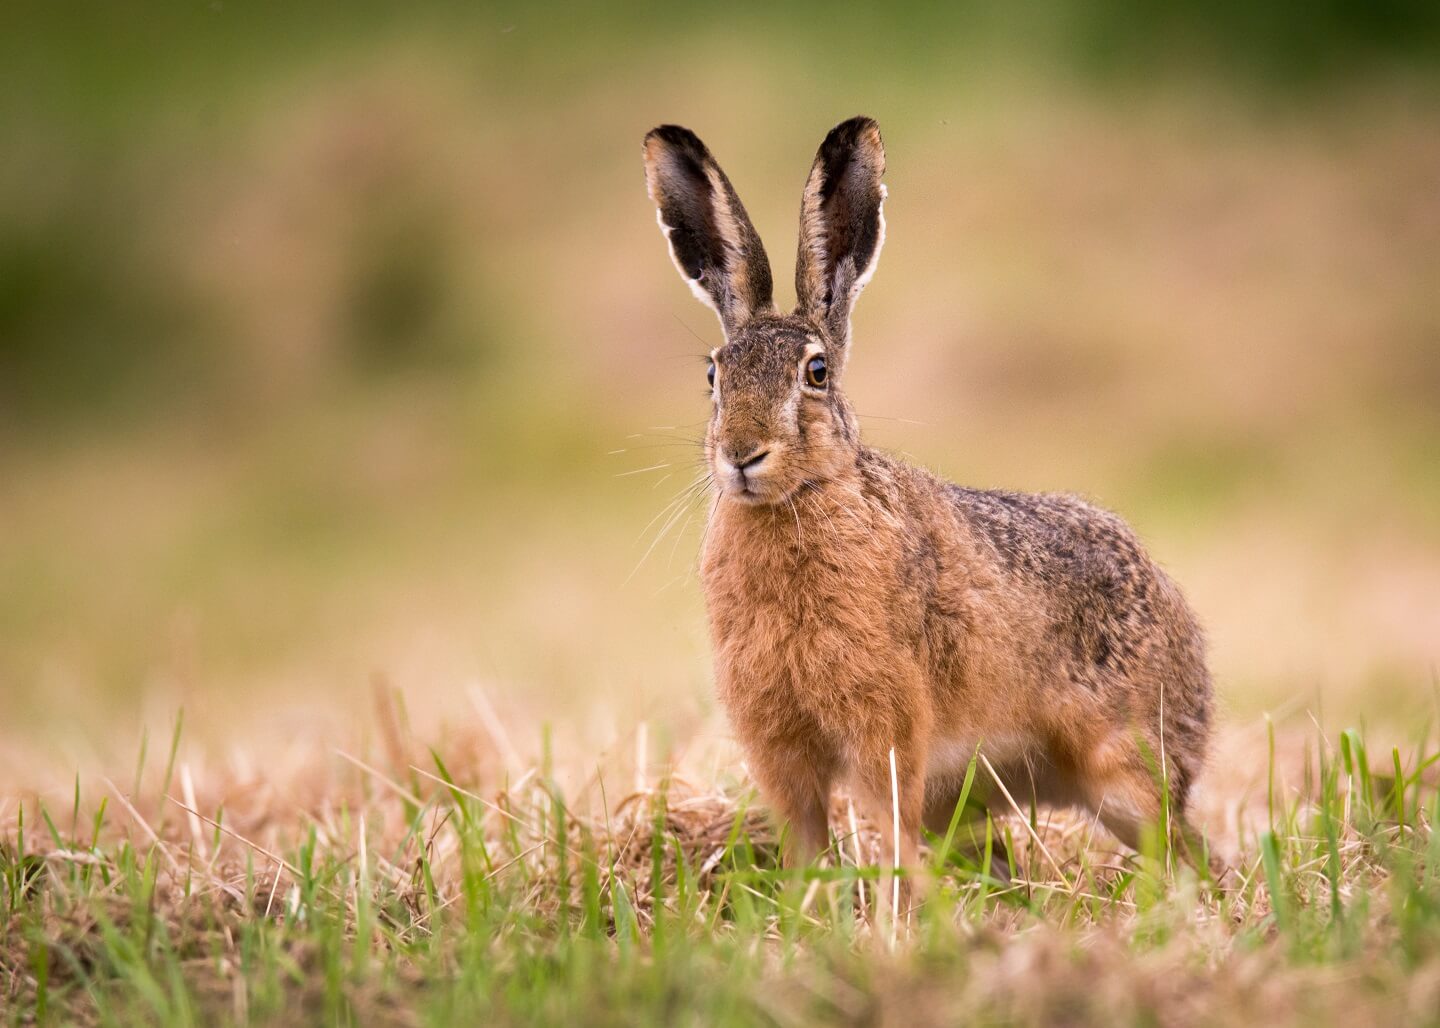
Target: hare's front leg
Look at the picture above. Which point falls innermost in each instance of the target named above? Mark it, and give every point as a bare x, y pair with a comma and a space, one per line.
878, 797
887, 798
795, 781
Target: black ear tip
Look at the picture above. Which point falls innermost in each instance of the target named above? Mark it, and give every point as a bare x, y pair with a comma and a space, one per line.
678, 137
853, 131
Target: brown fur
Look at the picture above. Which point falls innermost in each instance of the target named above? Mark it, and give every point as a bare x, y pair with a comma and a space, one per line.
857, 603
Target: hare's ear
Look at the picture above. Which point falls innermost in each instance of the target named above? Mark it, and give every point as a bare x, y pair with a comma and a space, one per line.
711, 239
841, 224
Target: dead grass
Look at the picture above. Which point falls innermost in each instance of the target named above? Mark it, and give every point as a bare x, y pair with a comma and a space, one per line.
398, 884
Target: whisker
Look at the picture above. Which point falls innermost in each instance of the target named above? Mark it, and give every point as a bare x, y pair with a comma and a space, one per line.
882, 417
651, 445
671, 512
659, 432
709, 520
675, 428
678, 497
820, 509
799, 536
698, 337
659, 536
689, 516
641, 471
671, 440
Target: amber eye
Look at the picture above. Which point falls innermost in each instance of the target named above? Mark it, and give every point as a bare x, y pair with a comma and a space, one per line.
816, 372
710, 374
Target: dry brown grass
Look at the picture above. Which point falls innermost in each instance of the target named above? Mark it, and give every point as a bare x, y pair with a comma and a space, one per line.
372, 848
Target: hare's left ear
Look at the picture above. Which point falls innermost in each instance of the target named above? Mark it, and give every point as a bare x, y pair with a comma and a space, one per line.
841, 224
711, 239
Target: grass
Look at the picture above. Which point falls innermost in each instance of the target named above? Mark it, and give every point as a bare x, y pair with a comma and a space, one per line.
446, 887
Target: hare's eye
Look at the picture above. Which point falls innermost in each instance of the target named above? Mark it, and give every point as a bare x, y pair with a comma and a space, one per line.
816, 372
710, 374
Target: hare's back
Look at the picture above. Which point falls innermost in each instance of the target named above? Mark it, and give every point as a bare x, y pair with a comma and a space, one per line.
1055, 538
1113, 612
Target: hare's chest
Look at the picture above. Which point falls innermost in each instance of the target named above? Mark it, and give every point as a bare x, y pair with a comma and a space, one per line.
798, 637
795, 606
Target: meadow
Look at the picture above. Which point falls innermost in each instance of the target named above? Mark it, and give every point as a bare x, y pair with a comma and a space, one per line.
405, 896
353, 667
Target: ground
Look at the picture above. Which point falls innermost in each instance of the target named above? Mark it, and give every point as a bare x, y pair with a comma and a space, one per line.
404, 883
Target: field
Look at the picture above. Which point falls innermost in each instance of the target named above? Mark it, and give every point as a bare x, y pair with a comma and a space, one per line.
353, 667
413, 892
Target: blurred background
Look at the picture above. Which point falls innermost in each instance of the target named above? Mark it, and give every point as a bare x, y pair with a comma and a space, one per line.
338, 345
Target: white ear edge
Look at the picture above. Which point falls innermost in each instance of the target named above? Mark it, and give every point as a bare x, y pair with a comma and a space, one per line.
694, 283
863, 278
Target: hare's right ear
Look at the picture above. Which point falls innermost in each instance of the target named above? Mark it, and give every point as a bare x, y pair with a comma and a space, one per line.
711, 239
842, 227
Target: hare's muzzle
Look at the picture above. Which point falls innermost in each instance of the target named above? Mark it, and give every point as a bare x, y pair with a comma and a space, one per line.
741, 472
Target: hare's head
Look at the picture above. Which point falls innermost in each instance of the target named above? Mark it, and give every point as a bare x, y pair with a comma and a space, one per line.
779, 420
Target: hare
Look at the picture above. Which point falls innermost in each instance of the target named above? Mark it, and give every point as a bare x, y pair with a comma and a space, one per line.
858, 604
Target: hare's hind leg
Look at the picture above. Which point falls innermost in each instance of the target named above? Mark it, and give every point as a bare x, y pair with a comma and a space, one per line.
1121, 787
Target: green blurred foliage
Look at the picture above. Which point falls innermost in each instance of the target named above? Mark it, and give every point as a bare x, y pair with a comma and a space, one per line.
1287, 44
107, 100
86, 320
330, 330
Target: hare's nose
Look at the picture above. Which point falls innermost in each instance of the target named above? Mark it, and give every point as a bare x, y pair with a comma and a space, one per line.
747, 458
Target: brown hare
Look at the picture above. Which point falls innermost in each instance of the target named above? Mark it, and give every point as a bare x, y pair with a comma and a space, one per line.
857, 603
